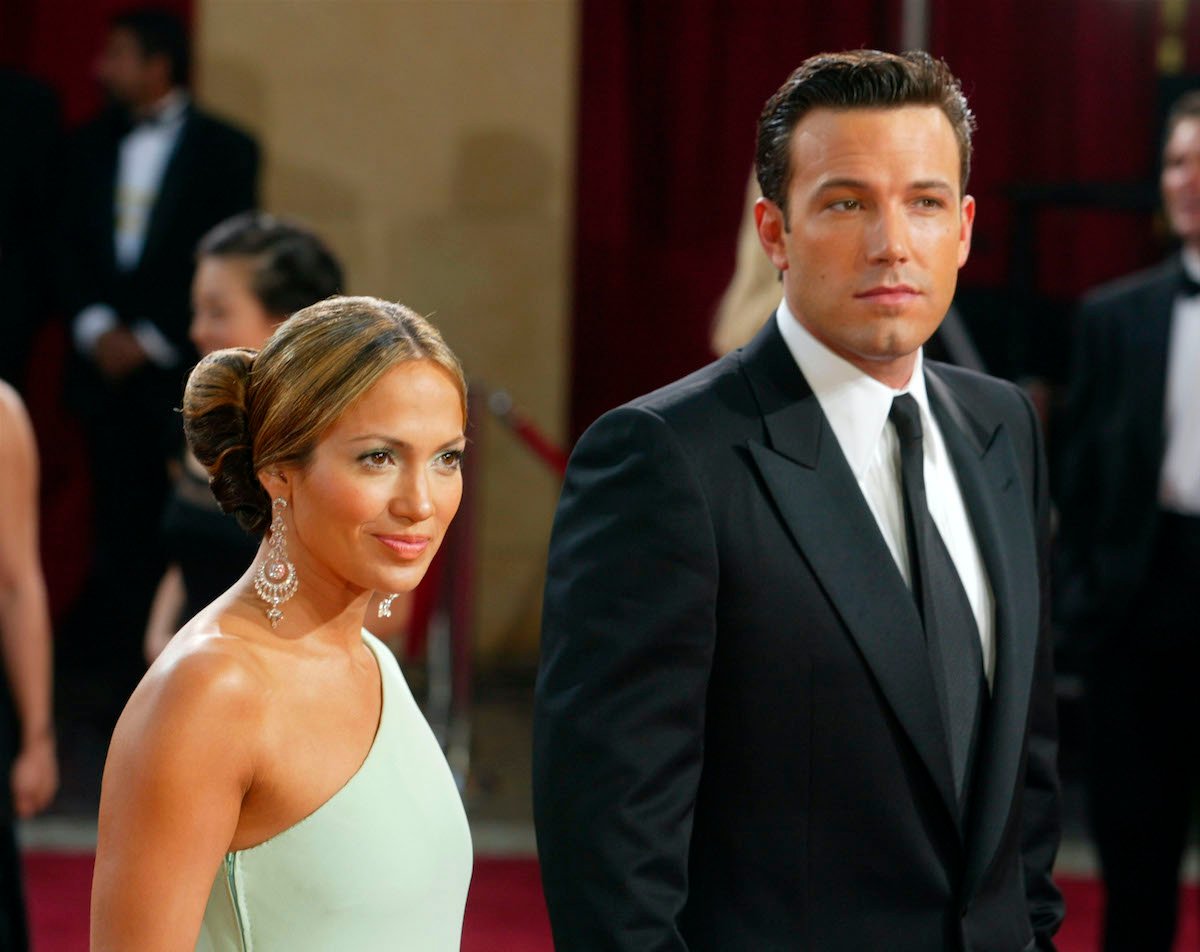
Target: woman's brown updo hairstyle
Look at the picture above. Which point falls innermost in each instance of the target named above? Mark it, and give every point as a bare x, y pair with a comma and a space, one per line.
245, 411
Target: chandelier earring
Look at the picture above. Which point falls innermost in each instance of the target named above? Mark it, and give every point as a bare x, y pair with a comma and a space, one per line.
385, 605
275, 579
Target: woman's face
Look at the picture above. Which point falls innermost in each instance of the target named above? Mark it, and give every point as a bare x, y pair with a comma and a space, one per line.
225, 312
371, 506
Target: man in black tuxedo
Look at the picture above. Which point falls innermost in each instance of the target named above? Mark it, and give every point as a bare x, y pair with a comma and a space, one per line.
796, 690
1129, 557
29, 116
147, 179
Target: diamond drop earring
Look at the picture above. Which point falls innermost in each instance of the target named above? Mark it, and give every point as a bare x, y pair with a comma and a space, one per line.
275, 580
385, 605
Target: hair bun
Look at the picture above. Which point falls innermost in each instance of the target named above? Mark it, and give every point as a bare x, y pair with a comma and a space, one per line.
216, 424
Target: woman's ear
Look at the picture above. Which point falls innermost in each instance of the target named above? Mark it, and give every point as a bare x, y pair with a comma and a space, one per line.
275, 482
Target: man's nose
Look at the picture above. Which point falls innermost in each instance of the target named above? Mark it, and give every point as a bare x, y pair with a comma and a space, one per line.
888, 236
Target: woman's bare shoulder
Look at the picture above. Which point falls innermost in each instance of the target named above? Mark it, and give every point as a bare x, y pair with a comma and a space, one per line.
208, 685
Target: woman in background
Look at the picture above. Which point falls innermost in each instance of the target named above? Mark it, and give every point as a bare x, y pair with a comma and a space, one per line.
271, 781
28, 763
252, 271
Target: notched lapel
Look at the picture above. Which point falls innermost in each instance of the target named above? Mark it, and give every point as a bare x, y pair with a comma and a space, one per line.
170, 190
985, 464
837, 535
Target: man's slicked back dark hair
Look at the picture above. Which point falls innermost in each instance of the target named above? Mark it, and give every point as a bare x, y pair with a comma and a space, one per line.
856, 79
159, 32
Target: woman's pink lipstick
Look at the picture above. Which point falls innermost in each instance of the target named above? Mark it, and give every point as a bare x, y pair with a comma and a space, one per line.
405, 546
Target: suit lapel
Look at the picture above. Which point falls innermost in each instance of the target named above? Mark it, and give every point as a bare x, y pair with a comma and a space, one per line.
985, 465
170, 189
1151, 341
104, 214
811, 484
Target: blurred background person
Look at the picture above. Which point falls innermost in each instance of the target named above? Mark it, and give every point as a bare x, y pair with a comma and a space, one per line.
29, 118
252, 272
146, 179
27, 749
1129, 552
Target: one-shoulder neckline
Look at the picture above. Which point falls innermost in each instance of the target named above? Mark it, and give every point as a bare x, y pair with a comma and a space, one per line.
374, 646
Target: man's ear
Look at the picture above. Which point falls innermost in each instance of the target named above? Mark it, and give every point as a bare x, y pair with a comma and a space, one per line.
769, 222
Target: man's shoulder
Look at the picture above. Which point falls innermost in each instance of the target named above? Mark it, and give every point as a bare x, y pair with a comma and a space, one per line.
699, 385
1127, 293
980, 392
216, 129
698, 408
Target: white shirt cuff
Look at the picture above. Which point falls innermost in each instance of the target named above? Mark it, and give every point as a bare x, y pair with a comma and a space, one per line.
90, 325
157, 347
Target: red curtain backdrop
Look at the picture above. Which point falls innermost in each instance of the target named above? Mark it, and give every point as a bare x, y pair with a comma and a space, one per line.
57, 41
669, 94
1065, 91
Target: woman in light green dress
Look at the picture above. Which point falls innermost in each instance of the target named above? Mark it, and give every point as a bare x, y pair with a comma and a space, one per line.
271, 783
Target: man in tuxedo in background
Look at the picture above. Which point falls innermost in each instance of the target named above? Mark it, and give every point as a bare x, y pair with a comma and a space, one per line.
1129, 557
796, 689
146, 180
29, 154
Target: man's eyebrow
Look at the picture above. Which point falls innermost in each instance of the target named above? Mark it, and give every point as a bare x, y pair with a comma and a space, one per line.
841, 183
853, 183
940, 185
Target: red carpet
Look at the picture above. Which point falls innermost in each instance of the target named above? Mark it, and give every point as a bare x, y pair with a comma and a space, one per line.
505, 910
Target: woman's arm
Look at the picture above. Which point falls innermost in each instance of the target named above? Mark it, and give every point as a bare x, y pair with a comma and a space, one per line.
24, 618
165, 610
180, 763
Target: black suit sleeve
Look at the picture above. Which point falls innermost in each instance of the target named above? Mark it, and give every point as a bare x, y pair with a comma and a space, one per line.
1082, 464
627, 642
1040, 804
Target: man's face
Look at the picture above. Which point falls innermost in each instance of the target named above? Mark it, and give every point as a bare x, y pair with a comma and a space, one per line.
1181, 180
876, 231
125, 72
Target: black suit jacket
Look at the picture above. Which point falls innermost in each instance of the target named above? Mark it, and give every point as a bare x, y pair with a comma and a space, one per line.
29, 151
1113, 442
212, 174
737, 743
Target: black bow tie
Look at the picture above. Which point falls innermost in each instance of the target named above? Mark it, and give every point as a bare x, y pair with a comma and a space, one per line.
1188, 286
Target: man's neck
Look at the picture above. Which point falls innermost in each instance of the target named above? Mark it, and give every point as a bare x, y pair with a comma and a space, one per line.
155, 103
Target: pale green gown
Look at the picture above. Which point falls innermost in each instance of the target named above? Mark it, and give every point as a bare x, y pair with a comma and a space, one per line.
384, 864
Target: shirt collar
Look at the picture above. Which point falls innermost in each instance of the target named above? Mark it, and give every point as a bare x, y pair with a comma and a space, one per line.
855, 404
167, 111
1191, 263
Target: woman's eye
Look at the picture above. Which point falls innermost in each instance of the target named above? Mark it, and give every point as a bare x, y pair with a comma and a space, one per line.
451, 459
377, 459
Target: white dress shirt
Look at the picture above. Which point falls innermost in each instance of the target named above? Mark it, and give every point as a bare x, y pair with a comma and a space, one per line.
1179, 482
857, 407
142, 159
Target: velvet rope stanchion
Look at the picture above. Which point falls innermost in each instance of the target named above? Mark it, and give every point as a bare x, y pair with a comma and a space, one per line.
501, 405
